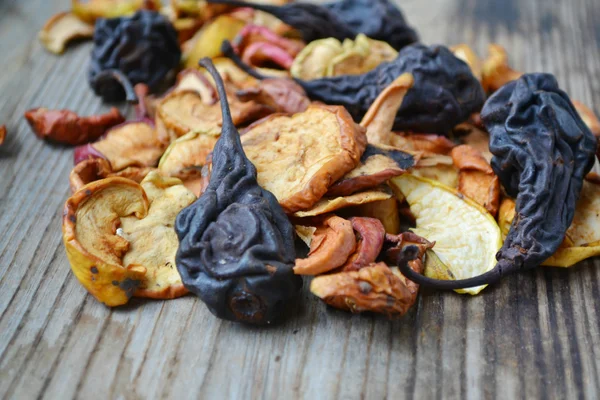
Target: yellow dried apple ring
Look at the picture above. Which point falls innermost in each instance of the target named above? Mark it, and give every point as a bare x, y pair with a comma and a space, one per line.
299, 157
91, 10
61, 29
93, 247
183, 157
466, 236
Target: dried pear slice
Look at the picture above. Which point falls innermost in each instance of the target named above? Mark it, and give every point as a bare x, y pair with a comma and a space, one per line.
183, 157
62, 28
466, 236
120, 240
299, 157
184, 111
582, 240
327, 205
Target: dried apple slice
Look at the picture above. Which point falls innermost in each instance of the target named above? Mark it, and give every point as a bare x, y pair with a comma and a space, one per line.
496, 71
184, 111
61, 29
466, 236
185, 155
376, 288
386, 211
299, 157
468, 55
427, 144
90, 10
582, 239
476, 178
327, 205
438, 168
120, 240
330, 247
192, 79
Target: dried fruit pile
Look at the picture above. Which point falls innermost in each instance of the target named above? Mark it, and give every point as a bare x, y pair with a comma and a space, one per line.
274, 140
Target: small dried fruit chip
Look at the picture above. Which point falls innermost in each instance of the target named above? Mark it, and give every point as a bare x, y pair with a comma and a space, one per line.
370, 234
153, 242
468, 55
476, 138
131, 144
476, 178
394, 244
330, 247
385, 211
329, 57
231, 72
424, 143
327, 205
380, 117
282, 95
299, 157
466, 236
64, 126
496, 72
61, 29
185, 111
582, 240
91, 10
369, 174
376, 288
207, 42
305, 233
438, 168
2, 134
435, 268
588, 116
192, 79
119, 237
259, 45
185, 155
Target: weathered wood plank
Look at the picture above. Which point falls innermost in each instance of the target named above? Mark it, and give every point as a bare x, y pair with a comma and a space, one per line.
535, 335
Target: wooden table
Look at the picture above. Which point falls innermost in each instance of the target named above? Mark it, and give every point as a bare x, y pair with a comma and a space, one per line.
535, 334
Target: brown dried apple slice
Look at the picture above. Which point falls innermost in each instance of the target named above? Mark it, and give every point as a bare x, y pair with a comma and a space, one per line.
299, 157
62, 28
184, 111
120, 239
184, 158
327, 205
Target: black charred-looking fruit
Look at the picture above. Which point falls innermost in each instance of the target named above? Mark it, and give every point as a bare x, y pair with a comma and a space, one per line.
236, 245
378, 19
445, 92
143, 47
542, 152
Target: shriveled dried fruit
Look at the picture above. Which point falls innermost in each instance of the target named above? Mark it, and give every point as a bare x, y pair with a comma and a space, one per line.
542, 151
445, 92
185, 111
582, 239
330, 204
330, 247
385, 211
90, 10
376, 288
305, 233
63, 28
496, 72
394, 245
94, 168
370, 235
143, 47
2, 134
186, 155
259, 46
119, 238
475, 137
299, 157
476, 179
65, 126
236, 247
466, 236
378, 19
281, 95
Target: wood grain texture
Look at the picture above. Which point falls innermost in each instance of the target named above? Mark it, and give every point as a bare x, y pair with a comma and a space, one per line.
535, 335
